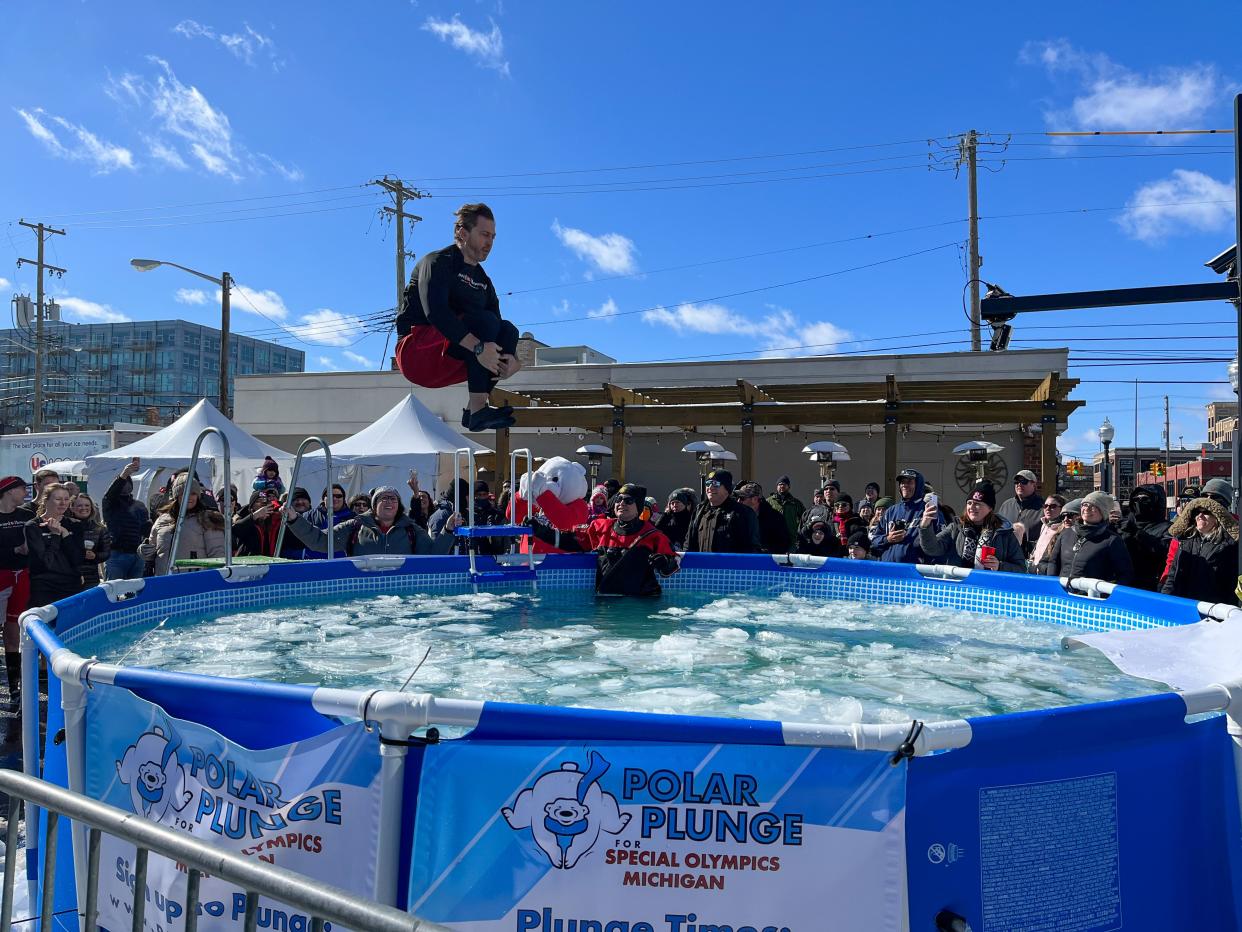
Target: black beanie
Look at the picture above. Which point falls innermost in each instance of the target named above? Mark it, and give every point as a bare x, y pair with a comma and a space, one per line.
723, 476
636, 492
984, 492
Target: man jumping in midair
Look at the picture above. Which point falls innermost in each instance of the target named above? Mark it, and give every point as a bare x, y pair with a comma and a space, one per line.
450, 330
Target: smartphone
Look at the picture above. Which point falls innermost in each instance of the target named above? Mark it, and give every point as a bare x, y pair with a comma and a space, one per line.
414, 474
931, 498
898, 525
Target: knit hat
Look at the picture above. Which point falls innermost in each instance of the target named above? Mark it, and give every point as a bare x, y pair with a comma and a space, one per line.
634, 491
882, 503
984, 492
1101, 500
1188, 492
387, 490
600, 489
11, 482
685, 496
723, 476
298, 493
1221, 489
1072, 507
860, 539
819, 522
783, 480
832, 484
179, 483
268, 463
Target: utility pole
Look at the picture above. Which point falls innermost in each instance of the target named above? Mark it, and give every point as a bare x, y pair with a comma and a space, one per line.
970, 150
1167, 449
43, 232
401, 192
226, 283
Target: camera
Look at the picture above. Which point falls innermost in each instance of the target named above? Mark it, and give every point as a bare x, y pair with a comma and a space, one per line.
1223, 264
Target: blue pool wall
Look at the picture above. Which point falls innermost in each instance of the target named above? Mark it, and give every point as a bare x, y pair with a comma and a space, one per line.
1176, 820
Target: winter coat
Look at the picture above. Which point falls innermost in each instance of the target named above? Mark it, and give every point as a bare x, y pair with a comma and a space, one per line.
791, 510
1204, 569
362, 536
675, 526
1029, 510
1047, 534
1095, 551
909, 549
252, 538
202, 536
815, 513
830, 546
98, 535
774, 536
318, 516
54, 563
845, 526
958, 544
128, 521
730, 527
1146, 533
629, 555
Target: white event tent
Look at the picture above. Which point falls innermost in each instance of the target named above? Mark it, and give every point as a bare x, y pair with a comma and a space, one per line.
409, 436
170, 449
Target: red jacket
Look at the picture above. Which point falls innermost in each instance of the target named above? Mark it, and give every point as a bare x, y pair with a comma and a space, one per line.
602, 533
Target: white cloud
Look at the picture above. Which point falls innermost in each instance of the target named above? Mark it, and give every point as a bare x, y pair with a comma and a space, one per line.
780, 331
610, 252
359, 359
4, 283
266, 303
90, 311
187, 129
1110, 96
1186, 200
327, 363
82, 145
244, 45
191, 296
486, 48
327, 328
605, 311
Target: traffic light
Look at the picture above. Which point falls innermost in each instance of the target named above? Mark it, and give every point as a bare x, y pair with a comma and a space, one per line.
1074, 468
1158, 469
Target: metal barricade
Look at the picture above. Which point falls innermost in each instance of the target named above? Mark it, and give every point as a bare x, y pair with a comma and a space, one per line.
318, 901
225, 506
293, 484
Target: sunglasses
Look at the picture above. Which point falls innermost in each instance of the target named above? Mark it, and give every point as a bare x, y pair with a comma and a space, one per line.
1046, 507
714, 483
337, 495
623, 500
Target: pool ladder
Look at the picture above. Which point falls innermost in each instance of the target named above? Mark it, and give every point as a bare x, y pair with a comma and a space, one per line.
506, 573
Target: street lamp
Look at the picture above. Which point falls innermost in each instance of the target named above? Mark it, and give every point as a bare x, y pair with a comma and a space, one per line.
1237, 435
1106, 437
225, 281
827, 454
595, 453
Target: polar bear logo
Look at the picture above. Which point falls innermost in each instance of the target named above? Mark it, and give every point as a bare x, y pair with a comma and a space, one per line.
156, 780
566, 810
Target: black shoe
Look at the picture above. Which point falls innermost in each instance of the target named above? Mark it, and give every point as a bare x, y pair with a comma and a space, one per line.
505, 410
487, 418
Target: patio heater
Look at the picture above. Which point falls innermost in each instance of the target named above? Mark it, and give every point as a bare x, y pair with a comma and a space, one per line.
594, 453
706, 453
827, 454
977, 454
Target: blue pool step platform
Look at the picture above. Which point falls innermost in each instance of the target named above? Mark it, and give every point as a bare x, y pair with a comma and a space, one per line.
509, 574
493, 530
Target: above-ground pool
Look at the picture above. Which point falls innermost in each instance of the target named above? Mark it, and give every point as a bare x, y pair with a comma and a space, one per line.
809, 745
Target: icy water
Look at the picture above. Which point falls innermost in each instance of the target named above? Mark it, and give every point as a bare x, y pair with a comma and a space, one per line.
779, 657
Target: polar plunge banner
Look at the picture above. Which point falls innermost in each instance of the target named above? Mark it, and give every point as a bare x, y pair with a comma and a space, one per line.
541, 837
312, 806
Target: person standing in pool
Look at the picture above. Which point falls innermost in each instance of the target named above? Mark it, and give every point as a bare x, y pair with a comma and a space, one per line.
631, 552
450, 329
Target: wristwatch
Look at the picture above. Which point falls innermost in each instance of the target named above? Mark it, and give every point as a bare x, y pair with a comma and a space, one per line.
478, 348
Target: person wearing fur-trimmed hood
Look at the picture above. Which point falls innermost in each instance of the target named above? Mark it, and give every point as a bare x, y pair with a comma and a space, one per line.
1205, 567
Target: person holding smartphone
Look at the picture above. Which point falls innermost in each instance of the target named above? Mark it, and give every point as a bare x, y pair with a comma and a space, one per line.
895, 537
982, 540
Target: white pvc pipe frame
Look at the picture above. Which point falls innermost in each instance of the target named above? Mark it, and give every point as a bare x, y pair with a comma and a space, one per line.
399, 715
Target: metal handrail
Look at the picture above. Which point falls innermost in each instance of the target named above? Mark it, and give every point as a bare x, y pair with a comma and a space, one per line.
293, 484
225, 506
317, 900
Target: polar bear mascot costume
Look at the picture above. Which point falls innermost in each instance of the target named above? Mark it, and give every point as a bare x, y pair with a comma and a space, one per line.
558, 489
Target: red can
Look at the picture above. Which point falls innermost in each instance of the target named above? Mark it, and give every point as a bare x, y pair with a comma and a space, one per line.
985, 551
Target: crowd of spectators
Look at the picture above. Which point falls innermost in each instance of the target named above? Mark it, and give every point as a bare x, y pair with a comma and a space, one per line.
63, 542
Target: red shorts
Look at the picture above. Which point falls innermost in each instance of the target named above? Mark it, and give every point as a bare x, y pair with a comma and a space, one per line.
422, 357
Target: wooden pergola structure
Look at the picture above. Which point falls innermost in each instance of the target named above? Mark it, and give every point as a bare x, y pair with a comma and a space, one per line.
745, 405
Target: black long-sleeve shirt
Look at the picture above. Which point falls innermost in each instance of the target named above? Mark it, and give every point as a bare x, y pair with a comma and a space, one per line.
448, 288
12, 536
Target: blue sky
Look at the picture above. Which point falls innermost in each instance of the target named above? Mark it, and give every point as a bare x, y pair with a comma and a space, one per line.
660, 178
